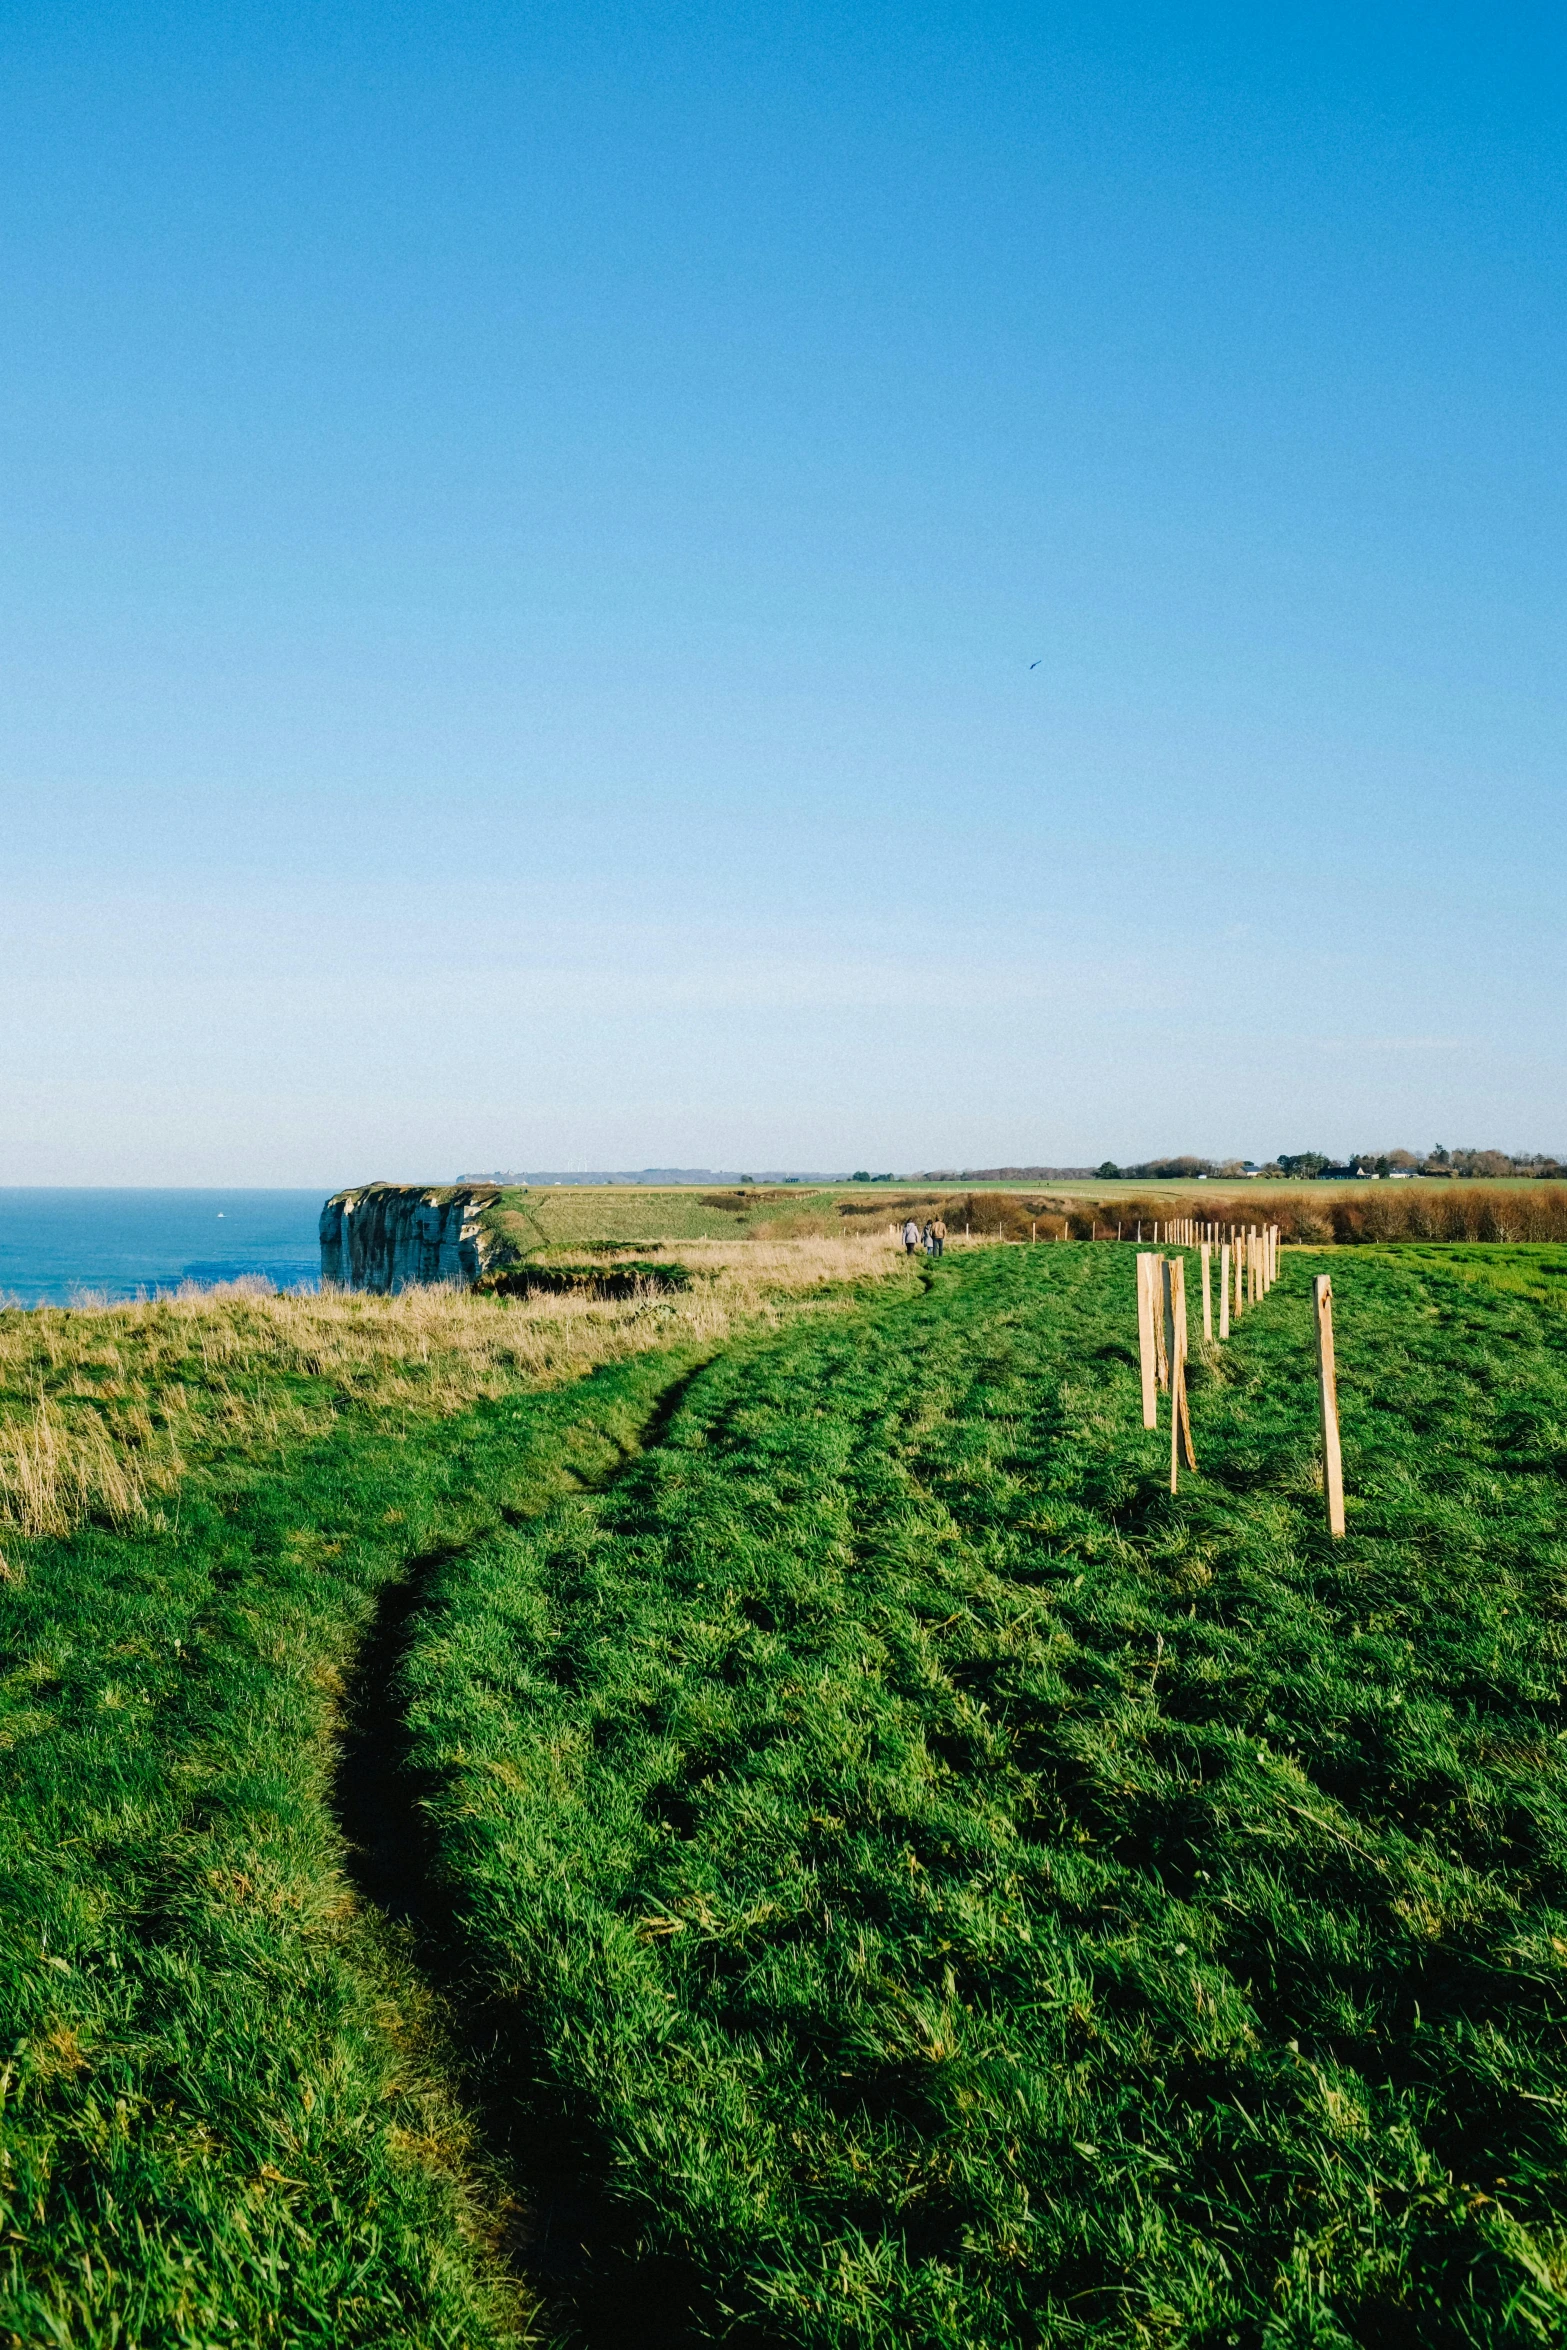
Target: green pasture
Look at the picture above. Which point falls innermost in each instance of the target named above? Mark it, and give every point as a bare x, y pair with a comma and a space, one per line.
574, 1216
563, 1218
818, 1847
1537, 1271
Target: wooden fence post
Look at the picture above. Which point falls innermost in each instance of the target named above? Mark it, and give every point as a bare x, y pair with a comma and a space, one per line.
1180, 1392
1174, 1301
1167, 1319
1145, 1345
1327, 1390
1207, 1295
1224, 1289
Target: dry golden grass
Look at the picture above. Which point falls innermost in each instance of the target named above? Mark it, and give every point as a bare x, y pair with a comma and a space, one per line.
102, 1407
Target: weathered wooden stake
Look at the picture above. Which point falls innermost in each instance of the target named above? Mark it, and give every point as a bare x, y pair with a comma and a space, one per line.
1185, 1413
1174, 1300
1224, 1289
1167, 1317
1207, 1294
1160, 1348
1145, 1340
1327, 1390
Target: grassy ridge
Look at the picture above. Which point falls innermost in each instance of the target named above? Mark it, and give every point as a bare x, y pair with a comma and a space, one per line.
224, 2110
950, 1892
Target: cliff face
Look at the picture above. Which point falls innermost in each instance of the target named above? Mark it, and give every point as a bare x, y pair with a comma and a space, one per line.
389, 1236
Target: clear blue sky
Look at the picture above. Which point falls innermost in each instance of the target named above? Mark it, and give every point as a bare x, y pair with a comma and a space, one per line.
526, 532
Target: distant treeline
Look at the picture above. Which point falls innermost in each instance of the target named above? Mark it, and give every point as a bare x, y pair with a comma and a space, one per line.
1292, 1166
1319, 1166
1472, 1213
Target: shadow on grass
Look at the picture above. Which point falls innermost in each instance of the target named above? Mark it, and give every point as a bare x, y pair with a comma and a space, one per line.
571, 2242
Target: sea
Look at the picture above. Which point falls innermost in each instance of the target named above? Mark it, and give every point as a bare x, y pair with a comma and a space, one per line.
58, 1247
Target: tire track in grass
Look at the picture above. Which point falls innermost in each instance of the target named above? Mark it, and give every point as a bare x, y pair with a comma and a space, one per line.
562, 2234
230, 2101
548, 2232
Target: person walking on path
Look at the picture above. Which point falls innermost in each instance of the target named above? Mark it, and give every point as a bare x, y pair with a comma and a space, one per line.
938, 1237
911, 1237
928, 1240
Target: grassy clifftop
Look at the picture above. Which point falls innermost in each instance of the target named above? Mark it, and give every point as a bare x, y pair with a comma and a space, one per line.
571, 1216
752, 1814
521, 1223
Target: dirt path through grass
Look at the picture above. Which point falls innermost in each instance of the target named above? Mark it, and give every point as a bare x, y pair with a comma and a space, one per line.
230, 2108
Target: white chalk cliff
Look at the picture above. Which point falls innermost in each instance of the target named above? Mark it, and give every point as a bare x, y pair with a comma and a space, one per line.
391, 1236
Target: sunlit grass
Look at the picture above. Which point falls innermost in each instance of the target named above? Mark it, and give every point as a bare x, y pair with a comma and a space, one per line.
951, 1891
102, 1406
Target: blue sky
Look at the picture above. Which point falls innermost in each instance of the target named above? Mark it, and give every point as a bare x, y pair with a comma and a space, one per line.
526, 533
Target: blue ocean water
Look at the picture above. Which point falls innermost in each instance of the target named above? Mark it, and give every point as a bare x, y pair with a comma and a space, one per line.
55, 1245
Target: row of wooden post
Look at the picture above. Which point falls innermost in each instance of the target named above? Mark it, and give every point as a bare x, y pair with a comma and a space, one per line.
1248, 1268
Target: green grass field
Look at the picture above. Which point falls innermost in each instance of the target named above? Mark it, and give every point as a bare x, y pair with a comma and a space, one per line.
541, 1225
1539, 1272
816, 1846
568, 1216
228, 2103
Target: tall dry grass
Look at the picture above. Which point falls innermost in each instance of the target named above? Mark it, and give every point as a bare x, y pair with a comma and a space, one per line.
1386, 1212
1390, 1212
103, 1407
